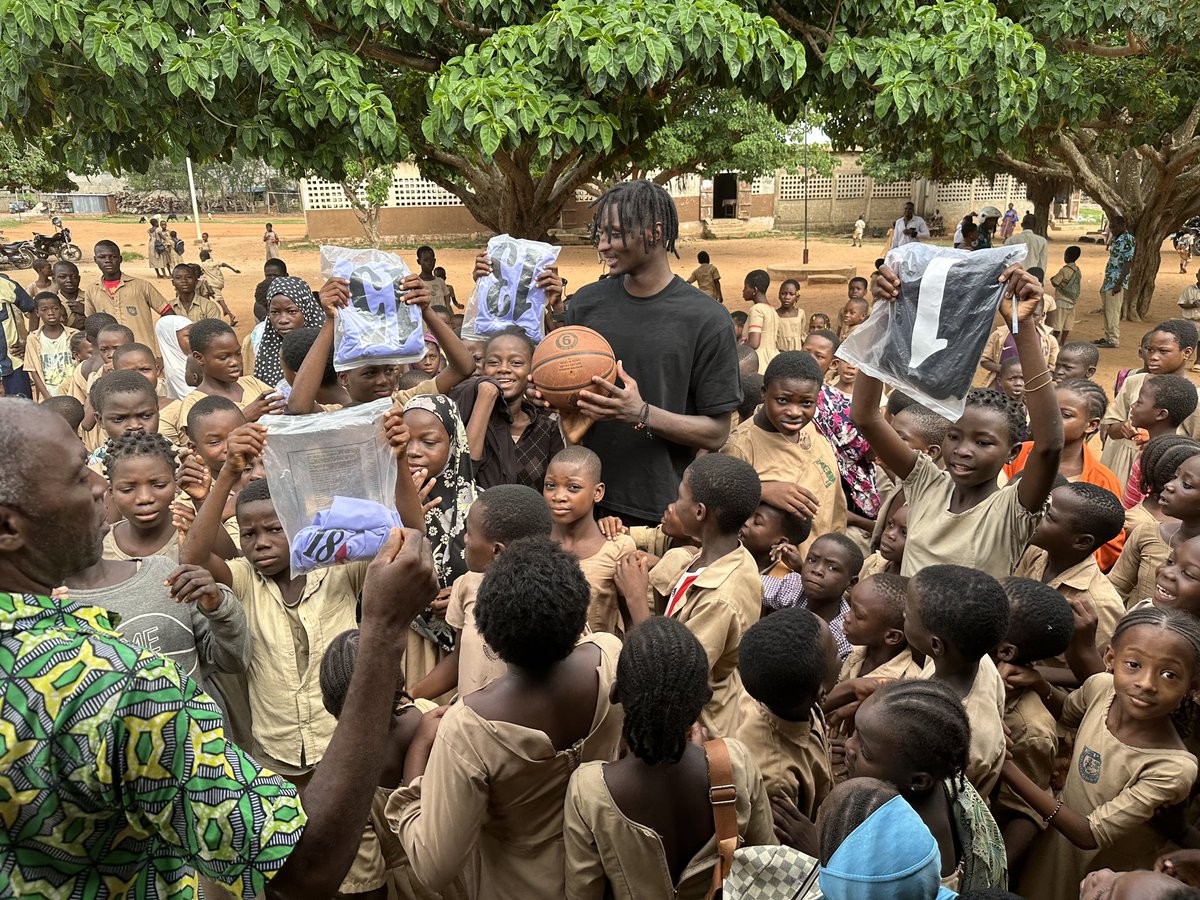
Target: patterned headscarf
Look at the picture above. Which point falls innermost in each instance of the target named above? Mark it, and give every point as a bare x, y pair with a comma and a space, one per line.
446, 523
268, 366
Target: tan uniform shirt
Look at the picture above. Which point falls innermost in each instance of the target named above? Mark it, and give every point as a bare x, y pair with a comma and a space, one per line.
764, 321
1118, 788
1035, 743
598, 569
427, 388
478, 664
137, 305
985, 711
491, 800
1082, 581
792, 332
172, 419
290, 721
1119, 453
900, 667
990, 536
201, 308
809, 463
706, 277
718, 608
1135, 573
793, 756
611, 857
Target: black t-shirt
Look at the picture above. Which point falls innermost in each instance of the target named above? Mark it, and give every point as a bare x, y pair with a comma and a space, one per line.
679, 347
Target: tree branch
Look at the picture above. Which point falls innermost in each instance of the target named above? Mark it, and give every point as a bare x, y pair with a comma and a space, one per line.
810, 33
379, 52
1027, 169
465, 27
1134, 46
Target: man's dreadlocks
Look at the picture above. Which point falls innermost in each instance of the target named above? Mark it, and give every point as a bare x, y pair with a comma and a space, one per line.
640, 205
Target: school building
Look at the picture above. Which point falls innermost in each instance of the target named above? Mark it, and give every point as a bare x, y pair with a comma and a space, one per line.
725, 205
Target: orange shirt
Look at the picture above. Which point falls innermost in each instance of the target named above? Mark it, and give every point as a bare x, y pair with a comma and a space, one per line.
1093, 473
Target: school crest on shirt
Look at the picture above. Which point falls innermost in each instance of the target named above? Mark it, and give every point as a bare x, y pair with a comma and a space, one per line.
1089, 765
132, 310
830, 478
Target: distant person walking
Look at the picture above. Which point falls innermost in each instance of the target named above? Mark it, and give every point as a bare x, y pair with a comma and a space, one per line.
271, 242
860, 226
157, 251
1008, 224
1121, 247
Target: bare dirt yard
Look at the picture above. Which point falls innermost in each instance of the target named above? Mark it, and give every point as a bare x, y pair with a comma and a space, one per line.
238, 241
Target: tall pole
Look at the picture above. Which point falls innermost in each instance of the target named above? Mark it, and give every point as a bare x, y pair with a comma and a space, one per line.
195, 205
806, 189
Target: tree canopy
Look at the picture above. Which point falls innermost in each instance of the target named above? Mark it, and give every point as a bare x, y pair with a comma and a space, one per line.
25, 166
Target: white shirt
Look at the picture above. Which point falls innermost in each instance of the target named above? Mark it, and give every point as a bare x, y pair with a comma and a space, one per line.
899, 238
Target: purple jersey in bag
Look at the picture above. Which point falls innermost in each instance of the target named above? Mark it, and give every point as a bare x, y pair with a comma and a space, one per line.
509, 295
349, 530
377, 326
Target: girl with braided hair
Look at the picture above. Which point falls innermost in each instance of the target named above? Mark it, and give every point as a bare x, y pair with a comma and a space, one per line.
140, 467
1130, 760
642, 827
915, 735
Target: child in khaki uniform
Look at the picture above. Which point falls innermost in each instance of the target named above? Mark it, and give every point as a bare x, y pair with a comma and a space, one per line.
796, 464
499, 516
1061, 553
642, 827
1129, 759
1040, 626
875, 629
715, 590
487, 796
787, 661
572, 489
955, 617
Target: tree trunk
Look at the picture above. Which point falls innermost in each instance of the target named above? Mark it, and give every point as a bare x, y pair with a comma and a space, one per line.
1041, 191
366, 212
1149, 232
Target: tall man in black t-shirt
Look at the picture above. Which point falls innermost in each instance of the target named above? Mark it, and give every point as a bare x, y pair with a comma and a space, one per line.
676, 352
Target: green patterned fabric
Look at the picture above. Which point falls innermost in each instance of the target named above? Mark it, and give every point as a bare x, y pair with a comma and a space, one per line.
984, 862
116, 779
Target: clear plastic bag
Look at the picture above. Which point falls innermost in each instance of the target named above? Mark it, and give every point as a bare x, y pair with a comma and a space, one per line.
929, 342
509, 296
377, 328
333, 481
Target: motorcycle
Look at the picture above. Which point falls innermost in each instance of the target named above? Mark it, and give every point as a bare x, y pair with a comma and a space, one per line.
58, 244
16, 255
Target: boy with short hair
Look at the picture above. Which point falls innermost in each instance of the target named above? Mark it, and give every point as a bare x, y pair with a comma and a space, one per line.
829, 570
427, 260
1164, 403
1067, 283
188, 301
855, 312
67, 407
1009, 379
768, 535
874, 627
762, 323
1076, 360
786, 659
572, 488
888, 557
123, 402
1081, 518
955, 617
215, 279
706, 277
48, 348
739, 325
1040, 627
715, 589
498, 517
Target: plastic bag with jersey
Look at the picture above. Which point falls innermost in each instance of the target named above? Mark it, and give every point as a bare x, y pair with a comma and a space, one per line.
377, 328
510, 295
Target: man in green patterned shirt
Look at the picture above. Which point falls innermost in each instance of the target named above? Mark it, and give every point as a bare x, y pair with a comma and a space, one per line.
116, 779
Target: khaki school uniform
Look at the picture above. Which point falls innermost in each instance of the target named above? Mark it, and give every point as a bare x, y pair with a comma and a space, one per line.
1035, 743
872, 565
984, 705
718, 608
1119, 453
1138, 515
793, 756
478, 664
201, 308
598, 569
706, 276
651, 540
809, 463
248, 353
1081, 581
900, 667
426, 388
611, 857
137, 305
764, 321
490, 803
172, 419
792, 330
1136, 571
290, 721
1117, 787
990, 536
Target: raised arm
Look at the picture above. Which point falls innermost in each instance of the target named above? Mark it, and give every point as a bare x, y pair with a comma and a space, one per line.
408, 502
243, 445
334, 293
1023, 294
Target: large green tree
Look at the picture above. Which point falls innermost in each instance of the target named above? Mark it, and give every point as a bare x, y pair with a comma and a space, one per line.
510, 104
26, 166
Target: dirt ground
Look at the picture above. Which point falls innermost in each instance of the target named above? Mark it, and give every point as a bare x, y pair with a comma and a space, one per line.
238, 241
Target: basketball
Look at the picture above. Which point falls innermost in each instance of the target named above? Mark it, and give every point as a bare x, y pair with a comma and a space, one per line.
565, 362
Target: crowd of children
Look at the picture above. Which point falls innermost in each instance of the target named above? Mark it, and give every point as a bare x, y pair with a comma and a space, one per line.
983, 633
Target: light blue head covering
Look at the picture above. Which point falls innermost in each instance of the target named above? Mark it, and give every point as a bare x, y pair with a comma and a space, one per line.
891, 856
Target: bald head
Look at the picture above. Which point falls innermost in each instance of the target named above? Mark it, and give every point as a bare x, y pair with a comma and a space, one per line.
585, 459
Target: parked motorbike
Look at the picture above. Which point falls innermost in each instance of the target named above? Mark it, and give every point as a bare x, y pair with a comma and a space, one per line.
57, 244
16, 255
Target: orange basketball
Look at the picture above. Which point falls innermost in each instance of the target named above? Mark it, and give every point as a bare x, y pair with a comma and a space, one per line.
565, 362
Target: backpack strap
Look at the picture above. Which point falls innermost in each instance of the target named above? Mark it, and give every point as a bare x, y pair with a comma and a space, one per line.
722, 794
